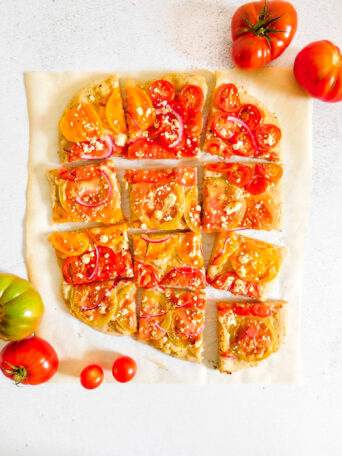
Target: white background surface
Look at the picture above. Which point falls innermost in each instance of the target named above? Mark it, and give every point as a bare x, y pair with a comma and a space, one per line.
169, 419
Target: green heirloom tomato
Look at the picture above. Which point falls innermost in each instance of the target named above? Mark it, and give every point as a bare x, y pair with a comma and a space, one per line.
21, 308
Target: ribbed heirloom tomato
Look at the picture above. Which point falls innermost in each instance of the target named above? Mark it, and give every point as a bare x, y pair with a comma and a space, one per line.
261, 32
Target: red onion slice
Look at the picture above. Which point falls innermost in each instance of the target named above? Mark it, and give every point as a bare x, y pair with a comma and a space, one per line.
244, 125
110, 190
156, 241
108, 150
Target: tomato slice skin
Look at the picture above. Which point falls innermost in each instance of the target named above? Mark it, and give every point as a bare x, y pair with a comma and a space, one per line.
91, 376
257, 185
162, 90
267, 136
239, 175
251, 115
223, 127
270, 171
217, 146
193, 98
227, 98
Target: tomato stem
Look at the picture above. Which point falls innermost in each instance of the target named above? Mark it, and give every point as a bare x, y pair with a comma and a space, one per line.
19, 373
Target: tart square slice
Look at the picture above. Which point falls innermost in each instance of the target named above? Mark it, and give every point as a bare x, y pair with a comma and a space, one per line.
164, 199
249, 332
94, 254
164, 116
173, 321
239, 124
242, 195
108, 306
244, 266
93, 124
88, 193
169, 260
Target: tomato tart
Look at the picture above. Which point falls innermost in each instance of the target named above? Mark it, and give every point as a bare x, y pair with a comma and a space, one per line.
108, 306
249, 332
173, 321
169, 260
164, 199
93, 124
164, 116
242, 195
88, 193
239, 124
244, 266
93, 255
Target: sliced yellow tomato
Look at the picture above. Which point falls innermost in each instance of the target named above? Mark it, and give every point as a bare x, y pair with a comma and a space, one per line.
162, 246
108, 235
94, 304
155, 317
139, 248
192, 210
254, 262
81, 123
226, 245
139, 108
186, 326
70, 243
126, 315
253, 339
115, 113
189, 249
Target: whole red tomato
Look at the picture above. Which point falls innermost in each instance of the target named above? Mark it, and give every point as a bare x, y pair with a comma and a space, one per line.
29, 361
318, 70
124, 369
92, 376
261, 32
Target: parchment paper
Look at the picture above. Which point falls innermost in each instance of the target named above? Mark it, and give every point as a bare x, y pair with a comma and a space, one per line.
77, 344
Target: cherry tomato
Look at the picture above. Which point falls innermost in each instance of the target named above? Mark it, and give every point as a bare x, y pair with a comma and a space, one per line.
270, 171
30, 361
239, 175
217, 146
267, 136
261, 32
227, 98
242, 144
124, 369
193, 98
162, 90
318, 70
250, 114
92, 376
257, 185
224, 127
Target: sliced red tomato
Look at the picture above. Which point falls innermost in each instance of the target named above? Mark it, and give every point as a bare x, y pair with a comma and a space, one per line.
257, 185
250, 114
94, 149
224, 127
221, 167
270, 171
242, 144
241, 309
185, 277
123, 263
224, 281
135, 176
162, 90
230, 281
267, 136
239, 175
147, 148
186, 176
168, 128
227, 98
194, 125
146, 276
85, 173
179, 107
217, 146
260, 309
193, 98
261, 213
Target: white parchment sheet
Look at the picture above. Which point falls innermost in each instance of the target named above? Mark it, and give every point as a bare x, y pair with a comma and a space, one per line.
77, 344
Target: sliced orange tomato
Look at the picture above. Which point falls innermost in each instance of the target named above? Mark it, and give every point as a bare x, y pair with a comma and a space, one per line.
189, 249
81, 123
261, 213
226, 245
162, 246
192, 210
115, 113
70, 243
239, 174
270, 171
140, 108
254, 262
108, 235
186, 327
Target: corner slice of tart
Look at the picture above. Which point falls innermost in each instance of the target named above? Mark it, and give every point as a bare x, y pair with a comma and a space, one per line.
164, 199
173, 321
164, 116
239, 124
88, 193
93, 255
249, 332
244, 266
242, 195
93, 124
169, 260
108, 306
